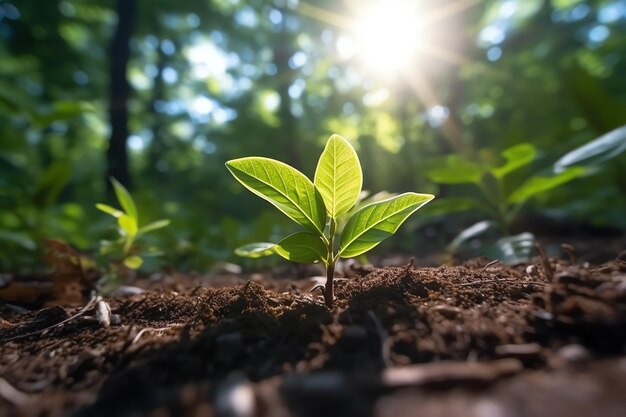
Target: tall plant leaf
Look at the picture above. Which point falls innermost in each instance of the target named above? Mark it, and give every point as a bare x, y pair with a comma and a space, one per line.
595, 152
536, 185
285, 187
109, 210
377, 221
159, 224
303, 247
455, 169
125, 199
516, 157
338, 176
128, 225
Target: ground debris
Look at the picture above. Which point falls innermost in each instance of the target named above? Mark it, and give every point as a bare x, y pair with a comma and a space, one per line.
478, 329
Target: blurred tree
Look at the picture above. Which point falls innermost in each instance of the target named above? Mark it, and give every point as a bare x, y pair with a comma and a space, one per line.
119, 91
166, 91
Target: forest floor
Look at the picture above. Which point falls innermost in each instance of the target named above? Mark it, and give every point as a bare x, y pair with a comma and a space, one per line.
480, 339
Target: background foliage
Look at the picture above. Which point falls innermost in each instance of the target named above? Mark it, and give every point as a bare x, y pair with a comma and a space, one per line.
213, 80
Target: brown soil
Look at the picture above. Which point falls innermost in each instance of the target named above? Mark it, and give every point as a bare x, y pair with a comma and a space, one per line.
471, 340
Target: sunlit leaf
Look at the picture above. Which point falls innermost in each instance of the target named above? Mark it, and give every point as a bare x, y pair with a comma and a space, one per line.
109, 210
256, 250
128, 225
338, 176
516, 157
455, 170
536, 185
601, 149
125, 199
133, 262
159, 224
377, 221
285, 187
304, 247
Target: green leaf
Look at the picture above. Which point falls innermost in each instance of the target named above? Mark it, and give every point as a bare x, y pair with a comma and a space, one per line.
128, 225
109, 210
377, 221
338, 176
51, 182
536, 185
605, 147
125, 199
284, 187
303, 247
256, 250
455, 170
159, 224
516, 157
133, 262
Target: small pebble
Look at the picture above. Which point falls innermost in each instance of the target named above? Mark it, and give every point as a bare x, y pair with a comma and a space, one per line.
116, 319
574, 354
235, 398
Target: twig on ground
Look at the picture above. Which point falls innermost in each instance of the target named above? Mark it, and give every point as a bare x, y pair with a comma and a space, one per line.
317, 287
571, 251
409, 266
94, 299
154, 329
489, 264
491, 281
12, 394
545, 261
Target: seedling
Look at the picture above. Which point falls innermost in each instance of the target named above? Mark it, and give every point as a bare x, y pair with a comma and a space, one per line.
497, 193
128, 229
319, 205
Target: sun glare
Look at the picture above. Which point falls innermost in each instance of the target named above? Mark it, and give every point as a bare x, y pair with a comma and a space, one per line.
388, 35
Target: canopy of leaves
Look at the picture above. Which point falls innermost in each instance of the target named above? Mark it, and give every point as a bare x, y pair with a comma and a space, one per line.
506, 88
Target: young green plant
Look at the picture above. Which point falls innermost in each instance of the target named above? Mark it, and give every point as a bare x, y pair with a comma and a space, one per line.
128, 228
318, 205
499, 192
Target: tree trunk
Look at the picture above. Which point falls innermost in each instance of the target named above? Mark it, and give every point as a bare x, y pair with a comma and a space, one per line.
119, 90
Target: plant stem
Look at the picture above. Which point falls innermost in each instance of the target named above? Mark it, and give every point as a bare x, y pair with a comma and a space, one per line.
329, 293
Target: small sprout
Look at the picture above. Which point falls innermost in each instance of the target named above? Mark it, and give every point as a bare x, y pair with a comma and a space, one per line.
320, 206
128, 229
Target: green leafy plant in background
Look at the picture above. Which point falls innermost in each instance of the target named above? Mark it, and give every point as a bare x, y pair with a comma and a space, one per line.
500, 194
36, 194
129, 231
318, 206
